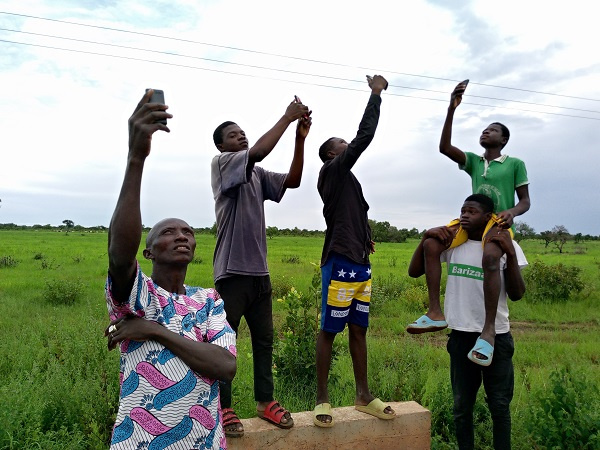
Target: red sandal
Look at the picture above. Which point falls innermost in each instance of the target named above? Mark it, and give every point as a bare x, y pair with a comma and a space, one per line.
274, 412
231, 418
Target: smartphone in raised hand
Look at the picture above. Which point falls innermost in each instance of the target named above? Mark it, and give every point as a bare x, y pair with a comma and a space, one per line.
158, 96
297, 100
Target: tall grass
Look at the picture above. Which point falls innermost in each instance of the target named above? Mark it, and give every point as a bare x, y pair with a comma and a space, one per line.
59, 385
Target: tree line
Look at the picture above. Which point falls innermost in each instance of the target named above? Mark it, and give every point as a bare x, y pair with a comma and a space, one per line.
381, 232
558, 235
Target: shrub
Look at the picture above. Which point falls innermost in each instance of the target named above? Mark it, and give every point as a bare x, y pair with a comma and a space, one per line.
281, 285
8, 261
38, 256
390, 287
49, 264
294, 353
415, 299
290, 259
63, 292
567, 413
438, 398
551, 283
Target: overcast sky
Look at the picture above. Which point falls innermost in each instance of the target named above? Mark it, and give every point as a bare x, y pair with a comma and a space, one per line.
65, 103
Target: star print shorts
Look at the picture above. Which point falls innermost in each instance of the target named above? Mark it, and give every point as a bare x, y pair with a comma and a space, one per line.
345, 293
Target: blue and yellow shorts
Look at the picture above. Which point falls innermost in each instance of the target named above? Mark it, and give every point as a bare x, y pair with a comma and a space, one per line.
345, 293
460, 237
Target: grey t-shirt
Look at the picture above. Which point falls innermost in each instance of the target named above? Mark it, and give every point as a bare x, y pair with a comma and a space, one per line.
239, 194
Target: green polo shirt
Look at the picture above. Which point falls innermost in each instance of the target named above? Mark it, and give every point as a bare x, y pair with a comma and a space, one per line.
497, 179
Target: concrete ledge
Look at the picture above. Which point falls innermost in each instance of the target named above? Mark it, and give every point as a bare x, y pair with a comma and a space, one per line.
353, 430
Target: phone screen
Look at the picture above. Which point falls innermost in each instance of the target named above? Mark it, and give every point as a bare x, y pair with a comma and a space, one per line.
158, 96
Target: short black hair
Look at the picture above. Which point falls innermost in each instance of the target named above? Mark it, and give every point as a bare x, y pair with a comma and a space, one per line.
487, 204
218, 133
324, 149
505, 131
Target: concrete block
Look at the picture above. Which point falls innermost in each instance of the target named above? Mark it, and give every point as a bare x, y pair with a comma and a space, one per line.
353, 430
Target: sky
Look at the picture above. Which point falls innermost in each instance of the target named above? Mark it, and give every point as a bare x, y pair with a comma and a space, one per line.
73, 72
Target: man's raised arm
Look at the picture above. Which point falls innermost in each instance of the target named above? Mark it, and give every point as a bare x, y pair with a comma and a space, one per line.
294, 176
267, 142
446, 147
125, 229
367, 126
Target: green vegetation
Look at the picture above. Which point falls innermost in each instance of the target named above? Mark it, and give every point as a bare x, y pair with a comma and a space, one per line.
566, 413
552, 283
59, 387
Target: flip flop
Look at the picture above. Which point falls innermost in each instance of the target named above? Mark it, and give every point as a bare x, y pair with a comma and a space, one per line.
322, 409
485, 348
231, 418
426, 325
375, 408
274, 412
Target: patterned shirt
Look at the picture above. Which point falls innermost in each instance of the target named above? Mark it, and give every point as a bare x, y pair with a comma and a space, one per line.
163, 403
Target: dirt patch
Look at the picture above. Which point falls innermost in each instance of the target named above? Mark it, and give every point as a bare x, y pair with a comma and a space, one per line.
525, 325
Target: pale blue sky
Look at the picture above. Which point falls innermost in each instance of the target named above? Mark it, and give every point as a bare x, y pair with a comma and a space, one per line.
64, 114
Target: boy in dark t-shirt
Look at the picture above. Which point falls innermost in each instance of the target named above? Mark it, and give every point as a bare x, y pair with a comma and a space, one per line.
345, 267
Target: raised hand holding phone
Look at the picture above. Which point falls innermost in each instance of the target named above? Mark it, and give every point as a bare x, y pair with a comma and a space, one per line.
459, 90
377, 82
297, 100
158, 96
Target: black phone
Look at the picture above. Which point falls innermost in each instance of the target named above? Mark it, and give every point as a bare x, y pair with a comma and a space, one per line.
297, 100
158, 96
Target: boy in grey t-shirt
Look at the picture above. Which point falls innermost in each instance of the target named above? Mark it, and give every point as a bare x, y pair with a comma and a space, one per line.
240, 260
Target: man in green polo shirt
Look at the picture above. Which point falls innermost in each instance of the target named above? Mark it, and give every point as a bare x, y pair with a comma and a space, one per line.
499, 177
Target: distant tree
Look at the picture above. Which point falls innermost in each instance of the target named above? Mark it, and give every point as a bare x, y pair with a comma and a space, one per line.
272, 231
561, 236
578, 238
384, 232
69, 224
547, 237
523, 231
414, 233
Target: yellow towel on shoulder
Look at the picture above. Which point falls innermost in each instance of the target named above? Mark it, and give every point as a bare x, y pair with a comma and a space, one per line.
461, 235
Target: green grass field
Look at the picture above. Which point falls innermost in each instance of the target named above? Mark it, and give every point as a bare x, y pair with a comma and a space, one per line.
59, 386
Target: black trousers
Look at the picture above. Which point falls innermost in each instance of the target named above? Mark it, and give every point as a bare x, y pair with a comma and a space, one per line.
498, 381
250, 297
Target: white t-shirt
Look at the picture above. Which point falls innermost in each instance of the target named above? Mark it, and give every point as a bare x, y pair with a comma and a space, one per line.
464, 304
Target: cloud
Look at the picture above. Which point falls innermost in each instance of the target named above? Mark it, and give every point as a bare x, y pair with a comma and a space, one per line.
64, 142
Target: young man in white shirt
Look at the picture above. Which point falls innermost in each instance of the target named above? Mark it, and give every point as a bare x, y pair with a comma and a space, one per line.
465, 313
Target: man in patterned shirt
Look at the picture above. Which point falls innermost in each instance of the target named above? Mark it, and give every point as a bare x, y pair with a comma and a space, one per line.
174, 339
